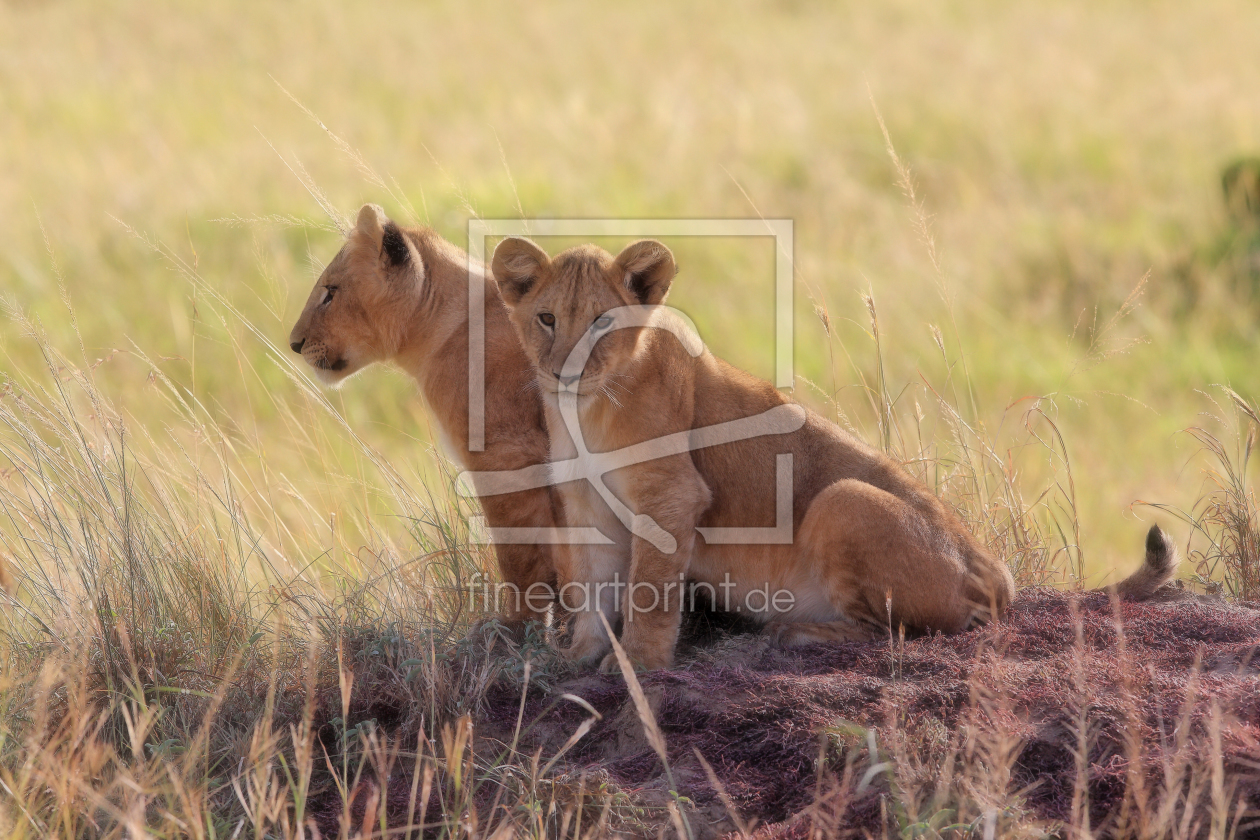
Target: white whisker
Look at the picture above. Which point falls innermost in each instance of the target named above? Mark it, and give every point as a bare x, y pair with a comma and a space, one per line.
623, 388
611, 398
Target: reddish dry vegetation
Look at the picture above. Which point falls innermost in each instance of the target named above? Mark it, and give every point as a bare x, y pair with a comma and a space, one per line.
1156, 705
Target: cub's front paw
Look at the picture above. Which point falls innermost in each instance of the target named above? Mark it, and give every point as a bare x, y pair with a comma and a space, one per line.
610, 665
585, 655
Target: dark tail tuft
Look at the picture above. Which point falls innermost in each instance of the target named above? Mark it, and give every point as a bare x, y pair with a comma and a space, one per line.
1159, 567
1160, 552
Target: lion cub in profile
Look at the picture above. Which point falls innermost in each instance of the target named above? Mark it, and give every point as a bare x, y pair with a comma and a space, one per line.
867, 543
401, 294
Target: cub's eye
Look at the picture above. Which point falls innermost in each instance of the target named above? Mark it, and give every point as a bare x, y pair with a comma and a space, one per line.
603, 322
329, 291
547, 319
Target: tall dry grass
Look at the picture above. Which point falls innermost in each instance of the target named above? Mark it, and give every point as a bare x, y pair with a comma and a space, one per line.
176, 639
1226, 517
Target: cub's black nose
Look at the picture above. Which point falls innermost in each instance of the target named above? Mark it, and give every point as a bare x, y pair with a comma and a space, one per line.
297, 345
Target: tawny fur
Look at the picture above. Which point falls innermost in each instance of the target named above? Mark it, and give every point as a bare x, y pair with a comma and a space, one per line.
871, 545
402, 296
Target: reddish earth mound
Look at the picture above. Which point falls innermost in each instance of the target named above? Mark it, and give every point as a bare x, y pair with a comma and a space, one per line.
1164, 693
756, 713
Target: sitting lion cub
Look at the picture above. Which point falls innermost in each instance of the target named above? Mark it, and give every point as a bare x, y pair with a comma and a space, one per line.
656, 439
401, 294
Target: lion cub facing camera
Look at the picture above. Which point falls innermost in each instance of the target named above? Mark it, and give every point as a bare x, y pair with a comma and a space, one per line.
662, 446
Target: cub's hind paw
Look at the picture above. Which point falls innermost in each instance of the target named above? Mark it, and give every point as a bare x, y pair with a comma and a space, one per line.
794, 634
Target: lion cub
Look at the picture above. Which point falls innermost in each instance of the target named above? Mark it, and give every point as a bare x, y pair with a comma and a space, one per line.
658, 441
401, 294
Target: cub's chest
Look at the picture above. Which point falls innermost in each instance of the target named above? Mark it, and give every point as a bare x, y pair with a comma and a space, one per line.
576, 476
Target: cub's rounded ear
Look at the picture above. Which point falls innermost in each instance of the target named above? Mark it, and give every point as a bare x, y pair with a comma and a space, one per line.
382, 234
394, 244
371, 222
647, 268
517, 265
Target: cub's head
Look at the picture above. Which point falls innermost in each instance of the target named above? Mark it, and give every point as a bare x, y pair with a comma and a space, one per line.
558, 304
359, 310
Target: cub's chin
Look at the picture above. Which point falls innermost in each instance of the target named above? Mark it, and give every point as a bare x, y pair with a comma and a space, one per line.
330, 378
336, 378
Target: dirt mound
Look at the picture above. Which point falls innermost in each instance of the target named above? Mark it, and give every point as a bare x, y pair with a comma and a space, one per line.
762, 716
1072, 708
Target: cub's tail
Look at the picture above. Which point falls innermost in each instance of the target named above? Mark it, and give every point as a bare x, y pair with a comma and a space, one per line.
1159, 567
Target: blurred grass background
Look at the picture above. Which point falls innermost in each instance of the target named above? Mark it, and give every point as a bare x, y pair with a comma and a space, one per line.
1060, 152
